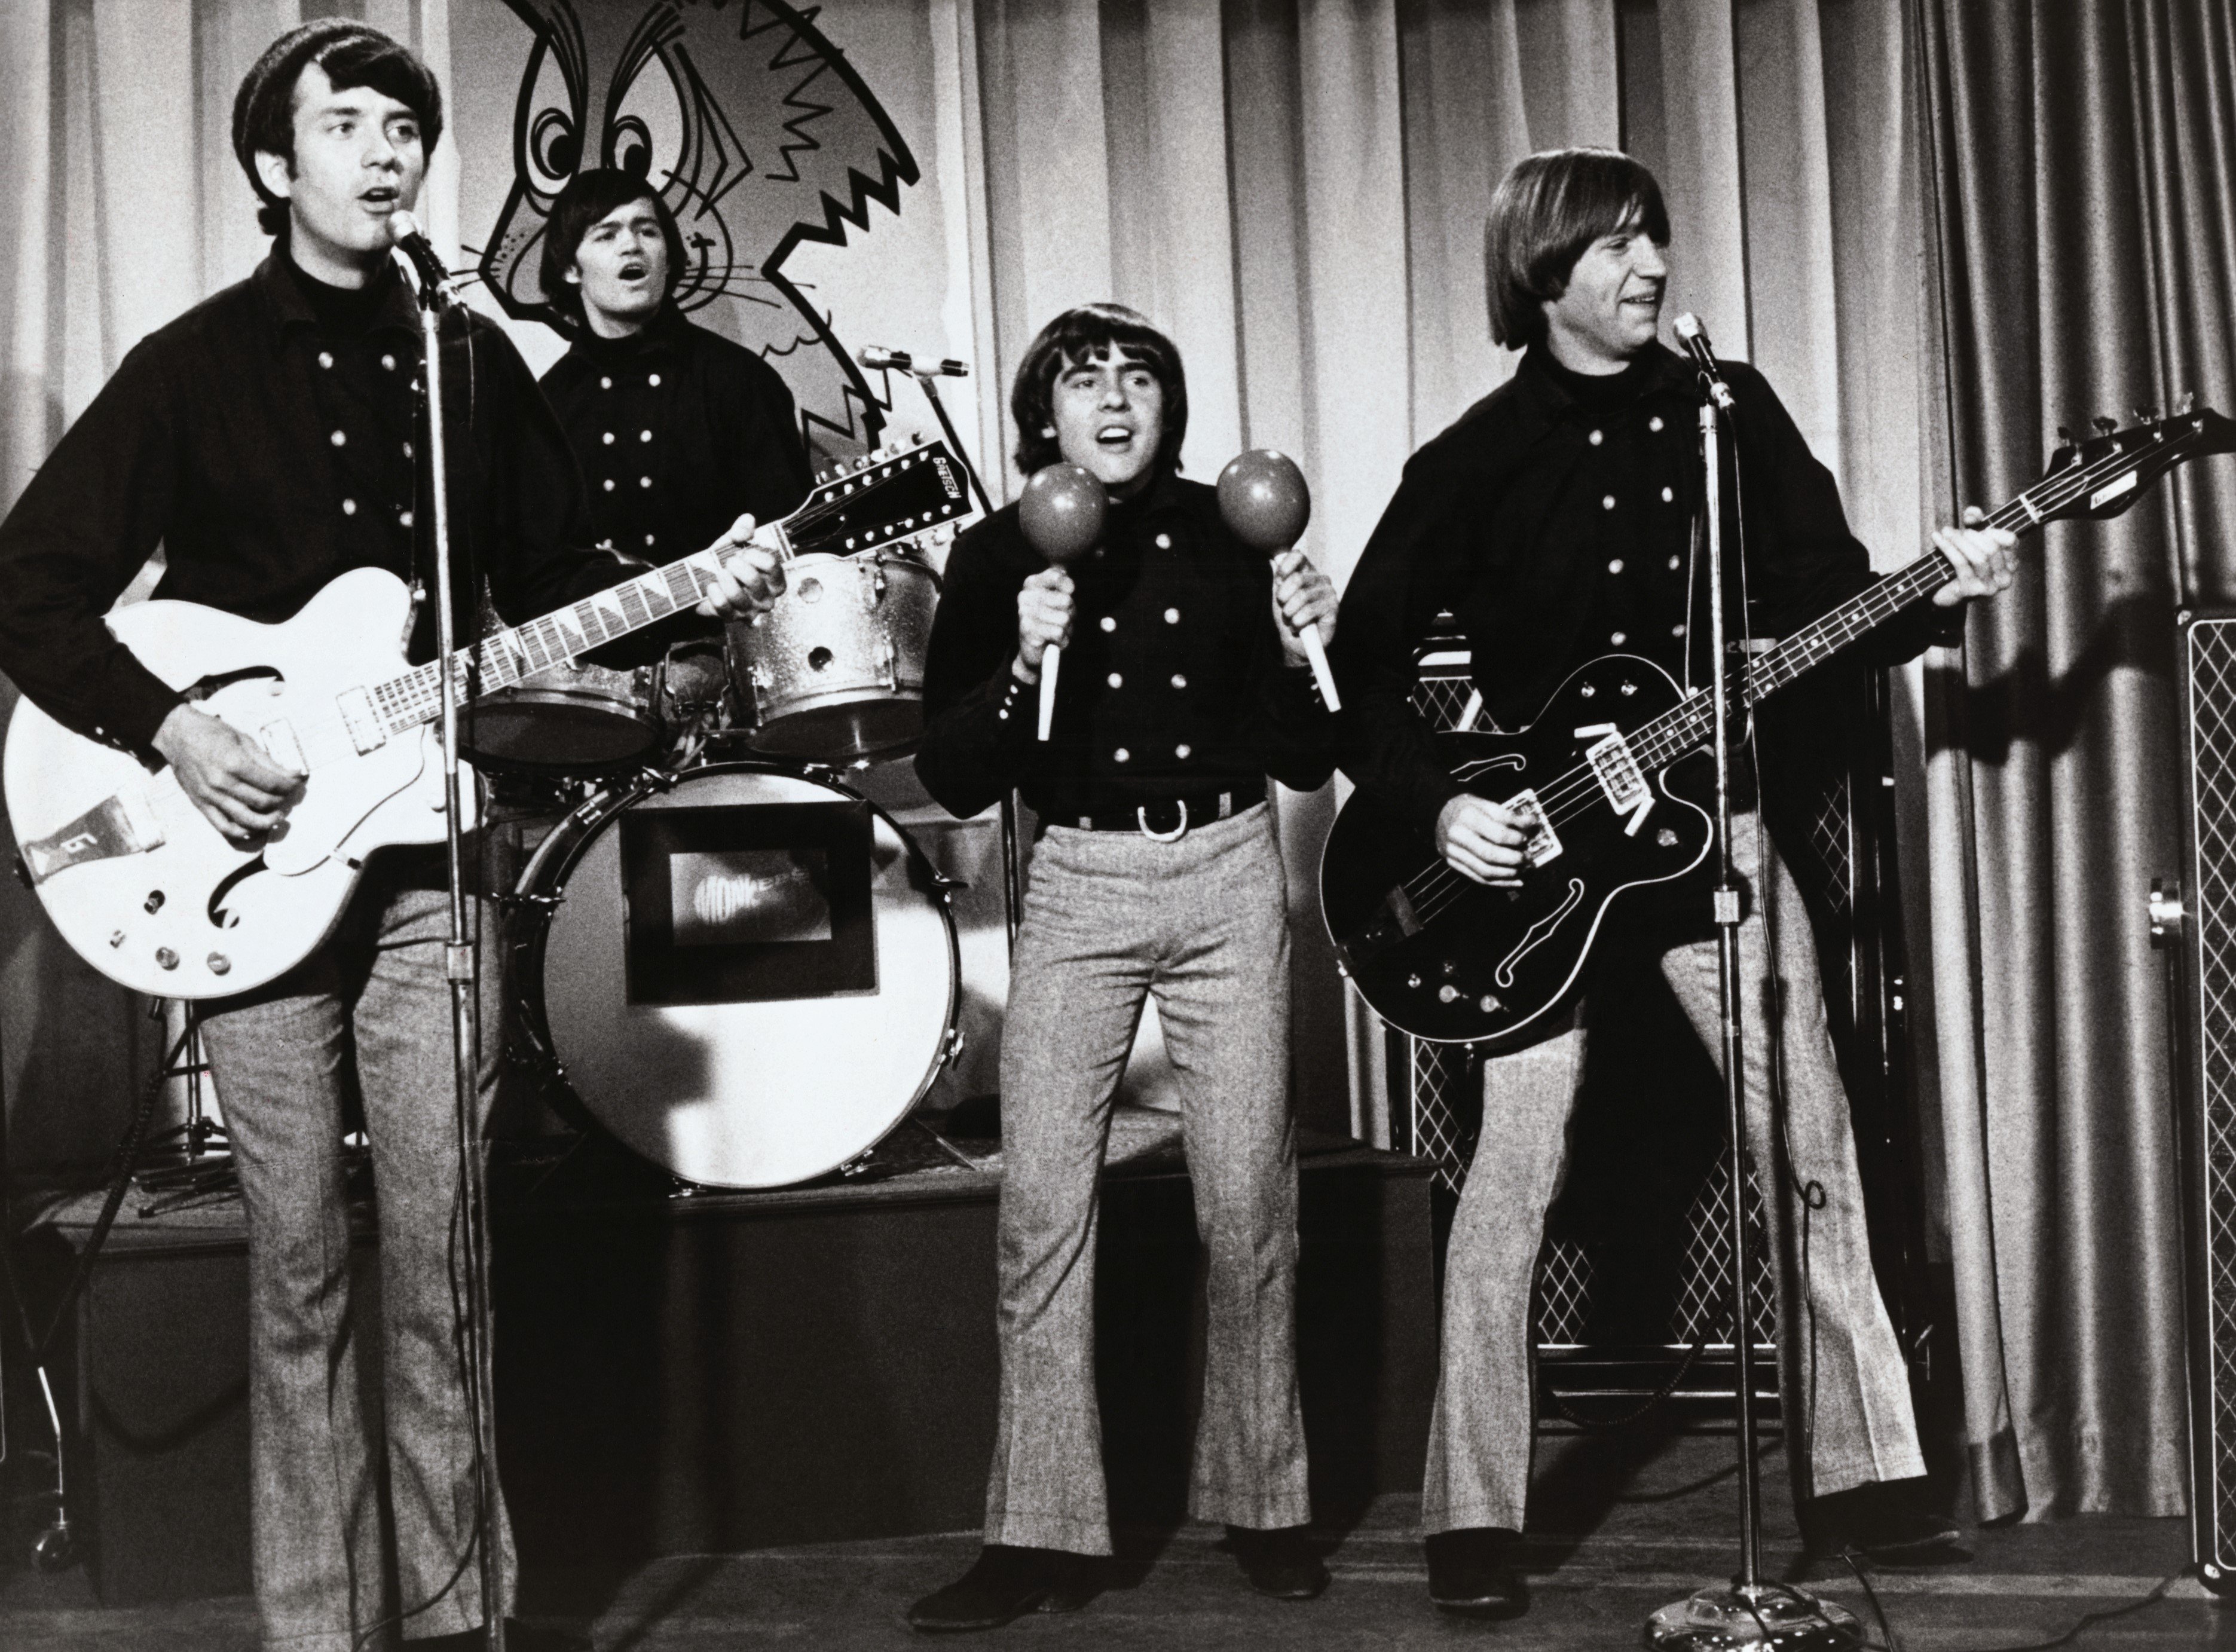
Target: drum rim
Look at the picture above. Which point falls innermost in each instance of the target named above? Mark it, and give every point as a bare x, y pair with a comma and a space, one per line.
532, 949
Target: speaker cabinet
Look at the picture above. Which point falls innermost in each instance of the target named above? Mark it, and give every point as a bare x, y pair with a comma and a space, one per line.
2193, 921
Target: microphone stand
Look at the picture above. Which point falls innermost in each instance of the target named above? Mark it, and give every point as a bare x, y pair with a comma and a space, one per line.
462, 966
1747, 1613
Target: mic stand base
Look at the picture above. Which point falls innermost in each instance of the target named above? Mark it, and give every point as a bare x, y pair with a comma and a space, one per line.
1741, 1614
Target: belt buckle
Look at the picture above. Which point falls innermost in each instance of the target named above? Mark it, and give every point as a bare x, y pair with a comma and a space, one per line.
1141, 818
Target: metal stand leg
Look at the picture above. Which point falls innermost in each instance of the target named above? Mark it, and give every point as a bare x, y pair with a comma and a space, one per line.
1748, 1612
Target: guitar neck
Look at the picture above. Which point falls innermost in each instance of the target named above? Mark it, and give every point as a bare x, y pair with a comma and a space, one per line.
501, 658
1688, 727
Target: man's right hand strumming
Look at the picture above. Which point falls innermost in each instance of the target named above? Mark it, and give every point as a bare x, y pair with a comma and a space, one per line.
1044, 612
1483, 840
226, 776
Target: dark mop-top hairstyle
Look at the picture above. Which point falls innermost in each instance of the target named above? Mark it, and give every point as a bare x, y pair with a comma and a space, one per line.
352, 54
589, 197
1074, 338
1544, 215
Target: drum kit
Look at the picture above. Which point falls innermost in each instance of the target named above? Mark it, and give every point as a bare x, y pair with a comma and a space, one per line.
738, 964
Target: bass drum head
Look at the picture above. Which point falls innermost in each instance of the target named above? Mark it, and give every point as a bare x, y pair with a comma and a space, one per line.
748, 977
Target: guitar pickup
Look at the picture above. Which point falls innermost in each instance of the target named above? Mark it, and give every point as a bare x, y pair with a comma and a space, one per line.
116, 826
1618, 774
361, 719
1544, 845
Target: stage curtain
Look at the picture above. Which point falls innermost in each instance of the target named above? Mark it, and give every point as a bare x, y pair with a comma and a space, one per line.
121, 206
2081, 159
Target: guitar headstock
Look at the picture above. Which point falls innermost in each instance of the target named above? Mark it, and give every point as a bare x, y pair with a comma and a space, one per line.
2103, 475
888, 494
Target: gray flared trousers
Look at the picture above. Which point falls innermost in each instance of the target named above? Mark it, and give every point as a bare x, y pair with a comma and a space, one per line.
373, 1002
1843, 1383
1202, 923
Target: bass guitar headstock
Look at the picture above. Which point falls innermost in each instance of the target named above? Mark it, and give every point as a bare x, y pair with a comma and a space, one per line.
2100, 476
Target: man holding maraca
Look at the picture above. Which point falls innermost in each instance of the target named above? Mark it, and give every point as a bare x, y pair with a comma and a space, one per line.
1158, 870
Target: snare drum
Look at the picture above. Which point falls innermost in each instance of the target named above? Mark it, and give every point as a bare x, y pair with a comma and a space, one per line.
747, 975
835, 670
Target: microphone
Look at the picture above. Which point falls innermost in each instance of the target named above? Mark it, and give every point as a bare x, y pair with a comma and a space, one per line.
1695, 338
874, 356
413, 242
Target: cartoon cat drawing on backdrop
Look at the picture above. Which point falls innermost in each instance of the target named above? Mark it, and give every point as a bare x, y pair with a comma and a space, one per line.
759, 135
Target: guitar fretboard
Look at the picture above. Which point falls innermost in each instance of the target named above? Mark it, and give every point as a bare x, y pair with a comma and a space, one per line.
501, 658
1691, 725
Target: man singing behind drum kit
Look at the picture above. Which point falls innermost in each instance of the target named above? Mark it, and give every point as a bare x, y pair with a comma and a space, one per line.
270, 439
1158, 872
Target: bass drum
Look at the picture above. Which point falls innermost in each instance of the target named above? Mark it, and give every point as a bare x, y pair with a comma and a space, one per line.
746, 975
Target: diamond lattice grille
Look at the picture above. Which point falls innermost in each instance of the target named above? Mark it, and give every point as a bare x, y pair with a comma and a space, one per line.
2213, 757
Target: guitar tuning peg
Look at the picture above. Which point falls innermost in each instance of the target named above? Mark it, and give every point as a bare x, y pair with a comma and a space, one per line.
2105, 426
2064, 437
2144, 415
2188, 404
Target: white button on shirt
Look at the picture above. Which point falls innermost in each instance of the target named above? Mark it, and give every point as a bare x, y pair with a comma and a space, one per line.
1619, 638
654, 381
1172, 616
609, 438
644, 436
326, 359
1164, 542
1653, 423
1667, 494
1182, 752
1121, 755
1616, 567
337, 438
1109, 623
605, 383
349, 507
1595, 438
1608, 503
1117, 681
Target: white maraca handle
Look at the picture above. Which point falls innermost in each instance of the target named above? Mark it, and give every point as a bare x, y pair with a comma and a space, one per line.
1051, 657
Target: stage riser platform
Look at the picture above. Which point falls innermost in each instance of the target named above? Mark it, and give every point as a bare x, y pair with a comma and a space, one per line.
718, 1373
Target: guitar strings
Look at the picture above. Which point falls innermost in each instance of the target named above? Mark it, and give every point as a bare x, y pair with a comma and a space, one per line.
1434, 890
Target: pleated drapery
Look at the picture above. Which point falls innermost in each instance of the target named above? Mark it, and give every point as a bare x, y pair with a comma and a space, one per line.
2082, 158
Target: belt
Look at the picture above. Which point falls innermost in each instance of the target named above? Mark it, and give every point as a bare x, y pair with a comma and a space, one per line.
1167, 818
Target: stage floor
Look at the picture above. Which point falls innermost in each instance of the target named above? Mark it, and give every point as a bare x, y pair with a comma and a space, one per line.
1622, 1529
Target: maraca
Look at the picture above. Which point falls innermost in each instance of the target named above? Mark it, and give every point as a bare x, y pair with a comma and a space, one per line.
1062, 512
1266, 504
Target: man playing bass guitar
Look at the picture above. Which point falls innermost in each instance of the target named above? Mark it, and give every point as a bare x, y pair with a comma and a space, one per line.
1555, 520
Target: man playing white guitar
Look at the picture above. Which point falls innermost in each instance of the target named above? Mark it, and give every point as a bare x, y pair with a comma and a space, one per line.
271, 440
1554, 520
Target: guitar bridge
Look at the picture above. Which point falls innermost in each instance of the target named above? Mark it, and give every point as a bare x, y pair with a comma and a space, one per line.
1618, 774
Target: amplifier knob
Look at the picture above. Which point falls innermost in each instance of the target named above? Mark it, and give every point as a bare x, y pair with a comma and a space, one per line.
167, 958
1489, 1004
1448, 993
154, 901
220, 963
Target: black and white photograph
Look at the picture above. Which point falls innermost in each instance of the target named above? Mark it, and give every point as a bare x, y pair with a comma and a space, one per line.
1084, 824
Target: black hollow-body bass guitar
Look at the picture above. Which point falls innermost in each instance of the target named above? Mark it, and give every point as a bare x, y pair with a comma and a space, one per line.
1448, 960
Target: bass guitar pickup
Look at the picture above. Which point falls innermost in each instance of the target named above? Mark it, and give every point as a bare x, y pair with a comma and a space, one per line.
1619, 775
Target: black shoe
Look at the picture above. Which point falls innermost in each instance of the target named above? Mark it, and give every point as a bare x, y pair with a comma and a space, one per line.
518, 1637
1471, 1572
1004, 1582
1885, 1520
1279, 1562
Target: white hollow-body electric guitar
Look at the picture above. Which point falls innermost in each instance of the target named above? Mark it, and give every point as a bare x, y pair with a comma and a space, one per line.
155, 897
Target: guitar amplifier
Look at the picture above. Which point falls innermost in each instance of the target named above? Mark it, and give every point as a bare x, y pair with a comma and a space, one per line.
1635, 1269
2193, 919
